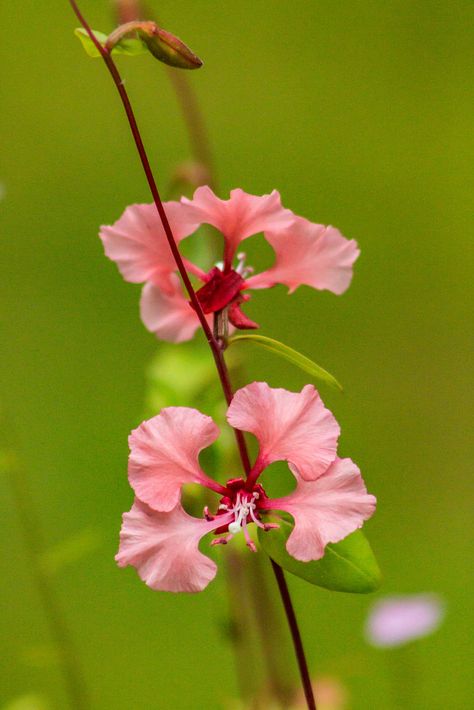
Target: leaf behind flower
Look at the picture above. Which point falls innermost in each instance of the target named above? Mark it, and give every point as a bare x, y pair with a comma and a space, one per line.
293, 356
347, 566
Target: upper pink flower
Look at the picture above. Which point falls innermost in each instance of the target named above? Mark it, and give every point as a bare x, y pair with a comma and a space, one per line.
305, 253
162, 541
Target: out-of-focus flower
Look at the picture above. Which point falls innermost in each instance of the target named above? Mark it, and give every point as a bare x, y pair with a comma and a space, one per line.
161, 540
329, 694
396, 620
305, 253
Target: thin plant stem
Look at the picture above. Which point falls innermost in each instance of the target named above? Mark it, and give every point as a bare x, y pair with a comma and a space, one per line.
60, 633
295, 634
194, 122
128, 10
213, 343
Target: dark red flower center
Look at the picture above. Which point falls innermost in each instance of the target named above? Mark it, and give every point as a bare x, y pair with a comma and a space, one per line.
223, 289
245, 506
220, 290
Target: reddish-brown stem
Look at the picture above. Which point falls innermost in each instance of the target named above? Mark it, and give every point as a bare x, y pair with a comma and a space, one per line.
130, 10
295, 635
213, 343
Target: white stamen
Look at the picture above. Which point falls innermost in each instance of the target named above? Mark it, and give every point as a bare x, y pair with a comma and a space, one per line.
241, 510
241, 268
257, 522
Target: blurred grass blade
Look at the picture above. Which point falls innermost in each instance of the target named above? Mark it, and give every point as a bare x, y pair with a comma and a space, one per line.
293, 356
27, 702
70, 550
347, 566
129, 46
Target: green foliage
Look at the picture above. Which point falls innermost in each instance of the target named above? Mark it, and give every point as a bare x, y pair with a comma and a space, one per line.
130, 46
70, 550
181, 375
347, 566
293, 356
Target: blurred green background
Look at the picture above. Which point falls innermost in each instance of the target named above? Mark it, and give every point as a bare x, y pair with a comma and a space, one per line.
360, 113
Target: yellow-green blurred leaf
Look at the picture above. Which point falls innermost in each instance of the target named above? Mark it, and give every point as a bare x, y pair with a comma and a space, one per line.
129, 46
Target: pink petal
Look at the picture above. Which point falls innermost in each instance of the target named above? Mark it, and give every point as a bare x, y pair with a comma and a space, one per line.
325, 510
164, 548
310, 254
291, 426
164, 454
169, 315
394, 621
239, 217
138, 244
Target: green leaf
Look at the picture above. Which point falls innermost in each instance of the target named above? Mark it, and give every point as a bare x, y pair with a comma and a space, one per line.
347, 566
293, 356
129, 46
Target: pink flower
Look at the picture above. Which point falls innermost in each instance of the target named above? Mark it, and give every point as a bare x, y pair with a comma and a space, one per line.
394, 621
162, 541
305, 253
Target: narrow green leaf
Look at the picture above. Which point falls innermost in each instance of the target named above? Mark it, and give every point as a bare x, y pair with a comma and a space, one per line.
347, 566
129, 46
293, 356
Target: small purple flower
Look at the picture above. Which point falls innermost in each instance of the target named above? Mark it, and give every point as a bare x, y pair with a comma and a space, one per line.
394, 621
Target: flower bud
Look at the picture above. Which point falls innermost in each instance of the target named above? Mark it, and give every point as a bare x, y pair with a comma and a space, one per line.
171, 50
162, 44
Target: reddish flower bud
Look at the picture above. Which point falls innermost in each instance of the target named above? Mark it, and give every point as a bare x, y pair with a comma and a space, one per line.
162, 44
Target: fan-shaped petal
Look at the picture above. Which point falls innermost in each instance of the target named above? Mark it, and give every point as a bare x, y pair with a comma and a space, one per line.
169, 315
291, 426
239, 217
310, 254
325, 510
138, 245
164, 453
164, 548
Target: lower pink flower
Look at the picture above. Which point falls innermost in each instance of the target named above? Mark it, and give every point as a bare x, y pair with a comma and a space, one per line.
162, 541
